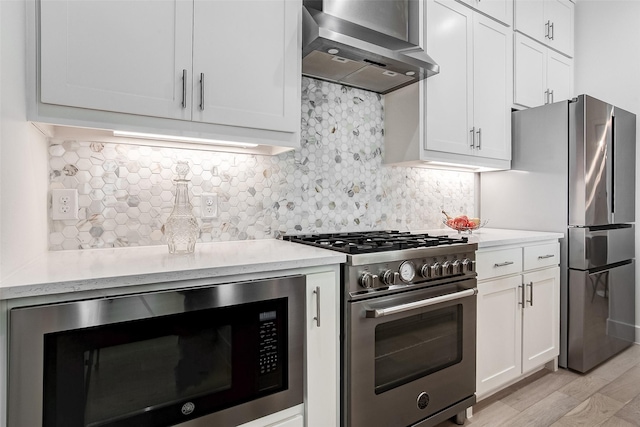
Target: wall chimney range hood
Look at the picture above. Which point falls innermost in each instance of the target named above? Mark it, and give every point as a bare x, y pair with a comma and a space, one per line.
365, 44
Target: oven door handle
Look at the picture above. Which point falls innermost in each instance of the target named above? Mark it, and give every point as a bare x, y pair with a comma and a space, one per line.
380, 312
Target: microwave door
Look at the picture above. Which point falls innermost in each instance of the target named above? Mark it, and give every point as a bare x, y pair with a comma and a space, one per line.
623, 158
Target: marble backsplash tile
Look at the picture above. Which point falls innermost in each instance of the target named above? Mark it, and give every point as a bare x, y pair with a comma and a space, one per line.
335, 182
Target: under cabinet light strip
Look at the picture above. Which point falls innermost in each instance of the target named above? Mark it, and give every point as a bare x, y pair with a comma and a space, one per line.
182, 139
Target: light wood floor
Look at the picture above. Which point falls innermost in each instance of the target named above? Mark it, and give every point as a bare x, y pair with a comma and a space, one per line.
609, 395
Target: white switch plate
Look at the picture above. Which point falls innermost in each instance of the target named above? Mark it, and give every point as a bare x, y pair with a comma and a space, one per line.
208, 206
64, 204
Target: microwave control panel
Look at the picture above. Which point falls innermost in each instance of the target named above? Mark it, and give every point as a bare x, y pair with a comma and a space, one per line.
269, 351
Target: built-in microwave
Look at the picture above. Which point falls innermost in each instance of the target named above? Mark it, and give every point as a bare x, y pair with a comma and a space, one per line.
212, 355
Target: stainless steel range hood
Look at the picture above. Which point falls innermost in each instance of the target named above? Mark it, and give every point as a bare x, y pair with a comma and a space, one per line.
364, 43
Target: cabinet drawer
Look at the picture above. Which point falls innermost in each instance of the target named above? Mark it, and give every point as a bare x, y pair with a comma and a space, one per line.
498, 263
541, 256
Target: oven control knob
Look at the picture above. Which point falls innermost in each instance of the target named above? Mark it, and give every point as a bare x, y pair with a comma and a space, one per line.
367, 280
389, 277
447, 268
456, 267
467, 265
425, 271
436, 269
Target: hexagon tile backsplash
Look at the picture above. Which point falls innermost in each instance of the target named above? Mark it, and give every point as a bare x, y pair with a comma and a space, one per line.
335, 182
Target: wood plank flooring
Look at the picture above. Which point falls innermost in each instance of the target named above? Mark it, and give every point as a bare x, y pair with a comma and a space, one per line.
607, 396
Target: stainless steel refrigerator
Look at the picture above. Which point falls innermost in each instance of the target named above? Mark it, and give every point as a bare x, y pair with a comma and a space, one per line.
573, 171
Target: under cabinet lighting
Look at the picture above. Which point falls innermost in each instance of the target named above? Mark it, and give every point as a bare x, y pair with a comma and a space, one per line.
182, 139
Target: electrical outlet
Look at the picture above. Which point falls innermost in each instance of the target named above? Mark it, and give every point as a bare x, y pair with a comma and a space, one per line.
64, 204
209, 206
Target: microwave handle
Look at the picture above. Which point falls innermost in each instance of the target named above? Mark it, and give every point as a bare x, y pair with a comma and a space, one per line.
381, 312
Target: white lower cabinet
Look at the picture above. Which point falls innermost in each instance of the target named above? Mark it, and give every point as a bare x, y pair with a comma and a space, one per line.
518, 313
321, 353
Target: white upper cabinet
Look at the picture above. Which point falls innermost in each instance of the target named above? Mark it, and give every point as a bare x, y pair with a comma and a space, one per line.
461, 117
468, 102
225, 69
449, 94
501, 10
541, 75
492, 80
111, 56
547, 21
239, 48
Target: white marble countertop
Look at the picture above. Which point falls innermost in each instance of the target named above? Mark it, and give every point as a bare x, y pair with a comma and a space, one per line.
489, 237
94, 269
60, 272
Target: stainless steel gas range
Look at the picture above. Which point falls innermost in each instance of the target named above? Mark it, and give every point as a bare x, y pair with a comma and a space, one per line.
408, 327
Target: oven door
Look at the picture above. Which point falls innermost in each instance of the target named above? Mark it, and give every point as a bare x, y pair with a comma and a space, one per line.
410, 355
215, 355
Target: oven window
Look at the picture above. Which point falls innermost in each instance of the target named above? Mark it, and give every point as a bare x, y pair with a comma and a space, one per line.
417, 346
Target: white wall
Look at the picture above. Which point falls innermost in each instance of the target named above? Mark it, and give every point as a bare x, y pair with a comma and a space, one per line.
23, 152
607, 66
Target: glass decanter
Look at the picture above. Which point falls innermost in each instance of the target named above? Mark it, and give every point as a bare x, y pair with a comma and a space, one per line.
182, 228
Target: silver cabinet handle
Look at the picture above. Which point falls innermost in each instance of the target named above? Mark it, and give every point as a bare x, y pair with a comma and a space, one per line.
380, 312
479, 145
546, 256
202, 91
551, 95
546, 96
503, 264
184, 88
521, 289
551, 32
473, 137
317, 318
530, 301
546, 29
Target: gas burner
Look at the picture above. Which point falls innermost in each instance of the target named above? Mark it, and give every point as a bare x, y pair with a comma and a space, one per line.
372, 241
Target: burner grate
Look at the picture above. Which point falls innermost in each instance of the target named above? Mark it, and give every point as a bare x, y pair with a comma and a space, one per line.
372, 241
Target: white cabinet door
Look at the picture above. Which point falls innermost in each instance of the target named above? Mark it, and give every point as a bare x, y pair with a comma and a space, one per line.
492, 75
559, 76
117, 56
559, 13
530, 18
449, 94
501, 10
541, 75
529, 72
541, 341
322, 350
499, 333
548, 21
247, 52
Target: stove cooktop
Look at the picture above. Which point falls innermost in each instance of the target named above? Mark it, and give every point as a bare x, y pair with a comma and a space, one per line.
372, 241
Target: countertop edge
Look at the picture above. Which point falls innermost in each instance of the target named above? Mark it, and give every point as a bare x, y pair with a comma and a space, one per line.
102, 269
51, 279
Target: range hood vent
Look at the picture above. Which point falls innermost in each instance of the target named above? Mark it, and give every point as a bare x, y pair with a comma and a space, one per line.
364, 44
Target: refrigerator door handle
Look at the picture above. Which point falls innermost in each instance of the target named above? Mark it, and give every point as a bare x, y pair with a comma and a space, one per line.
611, 267
613, 166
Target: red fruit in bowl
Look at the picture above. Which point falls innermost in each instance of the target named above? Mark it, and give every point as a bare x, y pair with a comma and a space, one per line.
461, 222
